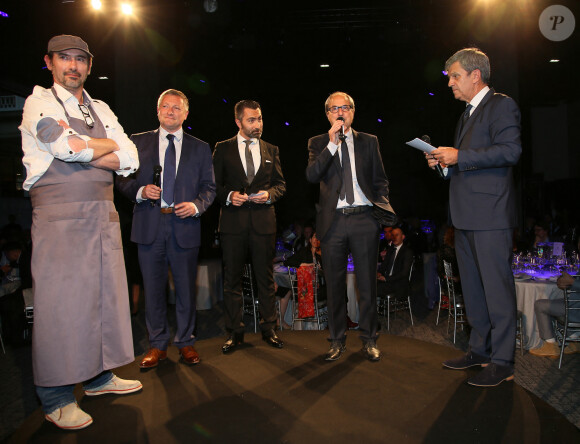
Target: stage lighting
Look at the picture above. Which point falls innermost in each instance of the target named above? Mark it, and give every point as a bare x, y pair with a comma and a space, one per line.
126, 8
96, 4
554, 61
325, 66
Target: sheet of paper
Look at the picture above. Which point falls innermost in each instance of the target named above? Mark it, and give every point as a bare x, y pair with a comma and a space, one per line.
420, 145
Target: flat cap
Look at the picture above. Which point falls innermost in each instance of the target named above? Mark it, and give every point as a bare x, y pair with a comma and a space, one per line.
63, 42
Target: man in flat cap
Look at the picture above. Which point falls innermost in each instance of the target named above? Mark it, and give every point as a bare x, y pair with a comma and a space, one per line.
72, 147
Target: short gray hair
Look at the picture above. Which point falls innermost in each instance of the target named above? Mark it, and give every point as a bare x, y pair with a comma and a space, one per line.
174, 92
338, 93
470, 59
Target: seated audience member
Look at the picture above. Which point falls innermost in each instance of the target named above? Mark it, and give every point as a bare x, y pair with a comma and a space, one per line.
393, 273
541, 233
545, 310
303, 238
385, 243
15, 270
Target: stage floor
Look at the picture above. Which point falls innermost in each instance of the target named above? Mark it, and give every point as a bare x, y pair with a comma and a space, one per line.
265, 395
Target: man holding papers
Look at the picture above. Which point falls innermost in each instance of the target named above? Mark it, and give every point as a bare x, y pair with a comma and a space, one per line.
482, 210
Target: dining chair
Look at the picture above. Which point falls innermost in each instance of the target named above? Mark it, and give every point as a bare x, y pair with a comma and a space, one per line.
456, 306
250, 302
390, 303
568, 325
320, 314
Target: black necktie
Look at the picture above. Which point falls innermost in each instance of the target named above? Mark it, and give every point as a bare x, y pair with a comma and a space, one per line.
390, 260
249, 162
465, 116
169, 169
346, 188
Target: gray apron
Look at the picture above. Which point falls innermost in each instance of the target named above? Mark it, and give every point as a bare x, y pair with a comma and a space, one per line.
82, 324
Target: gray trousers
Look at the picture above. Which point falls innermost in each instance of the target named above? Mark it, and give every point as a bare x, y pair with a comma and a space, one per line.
546, 309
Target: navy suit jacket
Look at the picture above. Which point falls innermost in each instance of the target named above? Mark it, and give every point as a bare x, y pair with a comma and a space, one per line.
194, 182
325, 169
230, 176
482, 193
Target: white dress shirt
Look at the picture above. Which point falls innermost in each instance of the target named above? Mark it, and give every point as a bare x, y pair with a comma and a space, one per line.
359, 196
43, 140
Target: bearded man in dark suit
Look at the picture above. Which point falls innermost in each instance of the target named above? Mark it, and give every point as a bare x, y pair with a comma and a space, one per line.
249, 181
352, 180
166, 224
482, 206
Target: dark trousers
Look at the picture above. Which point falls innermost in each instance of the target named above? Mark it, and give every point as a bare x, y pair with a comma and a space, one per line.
488, 291
236, 250
357, 234
155, 260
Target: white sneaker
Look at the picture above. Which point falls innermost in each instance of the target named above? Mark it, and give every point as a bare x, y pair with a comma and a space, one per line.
116, 386
70, 417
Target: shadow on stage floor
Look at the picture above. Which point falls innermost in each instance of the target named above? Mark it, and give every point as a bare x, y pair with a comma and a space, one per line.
264, 395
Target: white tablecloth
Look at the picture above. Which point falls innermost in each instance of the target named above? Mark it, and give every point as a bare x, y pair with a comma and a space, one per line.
527, 293
209, 284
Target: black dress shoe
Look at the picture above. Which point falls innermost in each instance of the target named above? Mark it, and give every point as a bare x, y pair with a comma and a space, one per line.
233, 340
272, 339
470, 359
493, 374
337, 348
371, 352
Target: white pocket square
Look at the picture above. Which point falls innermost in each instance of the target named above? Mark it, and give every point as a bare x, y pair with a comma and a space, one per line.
268, 161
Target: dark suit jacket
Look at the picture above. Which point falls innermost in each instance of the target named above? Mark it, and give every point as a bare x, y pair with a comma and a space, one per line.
230, 176
194, 183
401, 268
482, 194
325, 169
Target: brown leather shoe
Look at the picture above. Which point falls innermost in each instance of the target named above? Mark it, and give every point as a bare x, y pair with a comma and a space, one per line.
189, 355
152, 358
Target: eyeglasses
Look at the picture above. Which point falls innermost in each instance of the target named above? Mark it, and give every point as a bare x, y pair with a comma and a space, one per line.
87, 116
334, 109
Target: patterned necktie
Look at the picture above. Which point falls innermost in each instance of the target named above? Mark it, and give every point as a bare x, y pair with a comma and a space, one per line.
346, 188
169, 170
249, 162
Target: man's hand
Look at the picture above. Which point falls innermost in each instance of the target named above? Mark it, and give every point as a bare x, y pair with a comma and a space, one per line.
239, 199
334, 131
445, 155
431, 161
151, 192
185, 209
380, 277
564, 281
262, 197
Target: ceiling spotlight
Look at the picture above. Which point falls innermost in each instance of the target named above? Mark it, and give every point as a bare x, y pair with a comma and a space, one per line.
554, 60
103, 78
96, 4
127, 9
325, 66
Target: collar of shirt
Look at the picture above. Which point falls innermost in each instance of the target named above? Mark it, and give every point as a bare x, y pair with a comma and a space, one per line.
477, 99
67, 97
254, 148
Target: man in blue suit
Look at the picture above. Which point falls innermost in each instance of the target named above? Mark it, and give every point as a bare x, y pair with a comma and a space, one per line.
482, 205
166, 223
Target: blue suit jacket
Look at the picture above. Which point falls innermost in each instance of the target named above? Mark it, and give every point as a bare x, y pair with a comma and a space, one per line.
194, 182
482, 193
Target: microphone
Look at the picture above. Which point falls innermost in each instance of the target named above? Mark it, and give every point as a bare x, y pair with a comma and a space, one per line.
341, 135
156, 178
427, 139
